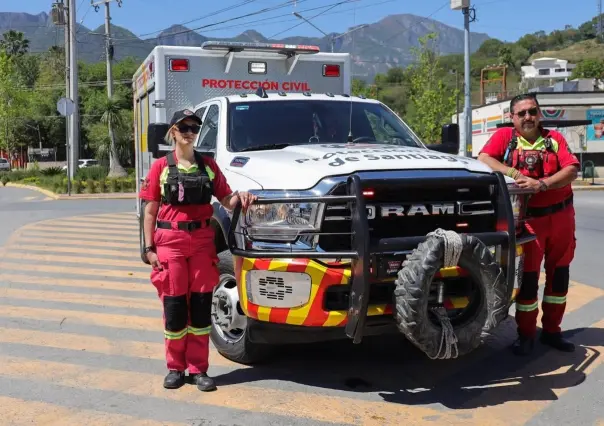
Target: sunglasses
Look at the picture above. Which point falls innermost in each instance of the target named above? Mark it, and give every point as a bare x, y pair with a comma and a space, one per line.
184, 128
532, 112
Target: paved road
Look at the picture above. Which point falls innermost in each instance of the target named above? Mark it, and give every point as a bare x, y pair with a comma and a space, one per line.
81, 342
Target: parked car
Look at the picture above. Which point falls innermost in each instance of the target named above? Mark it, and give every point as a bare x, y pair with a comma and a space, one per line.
86, 162
4, 165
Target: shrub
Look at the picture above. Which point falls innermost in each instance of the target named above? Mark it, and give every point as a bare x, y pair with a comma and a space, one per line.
52, 171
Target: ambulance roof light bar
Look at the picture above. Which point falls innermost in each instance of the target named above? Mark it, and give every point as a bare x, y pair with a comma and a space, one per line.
239, 46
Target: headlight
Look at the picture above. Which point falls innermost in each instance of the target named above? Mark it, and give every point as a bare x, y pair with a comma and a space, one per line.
282, 221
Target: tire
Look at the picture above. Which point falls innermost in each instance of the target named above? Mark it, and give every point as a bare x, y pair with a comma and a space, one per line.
239, 349
413, 287
141, 234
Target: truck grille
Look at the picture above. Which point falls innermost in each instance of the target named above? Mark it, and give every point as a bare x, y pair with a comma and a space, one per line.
398, 211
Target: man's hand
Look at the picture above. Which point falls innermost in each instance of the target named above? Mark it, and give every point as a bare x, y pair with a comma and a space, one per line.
526, 182
245, 197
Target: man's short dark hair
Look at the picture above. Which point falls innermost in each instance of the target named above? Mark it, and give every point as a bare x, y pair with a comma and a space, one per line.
523, 97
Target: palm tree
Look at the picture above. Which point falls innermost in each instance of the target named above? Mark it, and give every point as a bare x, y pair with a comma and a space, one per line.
112, 119
14, 43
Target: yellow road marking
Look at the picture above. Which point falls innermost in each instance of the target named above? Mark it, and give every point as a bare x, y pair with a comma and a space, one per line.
131, 222
519, 412
100, 345
86, 226
86, 299
57, 249
106, 320
73, 270
88, 231
80, 243
110, 285
76, 259
63, 236
17, 412
306, 405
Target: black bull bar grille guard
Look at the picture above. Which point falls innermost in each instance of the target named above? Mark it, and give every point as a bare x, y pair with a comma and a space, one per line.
360, 254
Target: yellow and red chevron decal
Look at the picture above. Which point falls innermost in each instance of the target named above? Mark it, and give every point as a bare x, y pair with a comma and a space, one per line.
322, 277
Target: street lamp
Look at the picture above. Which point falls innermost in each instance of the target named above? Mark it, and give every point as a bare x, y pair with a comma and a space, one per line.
333, 38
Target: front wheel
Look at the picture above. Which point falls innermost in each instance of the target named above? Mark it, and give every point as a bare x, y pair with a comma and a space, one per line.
229, 323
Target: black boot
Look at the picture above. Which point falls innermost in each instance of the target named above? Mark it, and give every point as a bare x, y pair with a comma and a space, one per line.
523, 345
555, 340
174, 379
204, 383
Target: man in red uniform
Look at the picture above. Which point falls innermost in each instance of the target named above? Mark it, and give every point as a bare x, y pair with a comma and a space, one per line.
541, 160
181, 250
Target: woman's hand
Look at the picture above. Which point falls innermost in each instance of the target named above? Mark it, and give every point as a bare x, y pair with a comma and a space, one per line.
154, 260
245, 197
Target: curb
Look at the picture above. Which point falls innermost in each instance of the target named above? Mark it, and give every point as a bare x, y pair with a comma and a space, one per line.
596, 187
54, 196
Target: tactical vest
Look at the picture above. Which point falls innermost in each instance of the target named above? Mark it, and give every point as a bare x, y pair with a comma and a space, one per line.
188, 188
538, 160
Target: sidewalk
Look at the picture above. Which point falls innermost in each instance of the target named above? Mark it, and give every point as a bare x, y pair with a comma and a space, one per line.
586, 185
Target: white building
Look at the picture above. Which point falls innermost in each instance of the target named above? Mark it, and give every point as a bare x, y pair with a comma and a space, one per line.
547, 69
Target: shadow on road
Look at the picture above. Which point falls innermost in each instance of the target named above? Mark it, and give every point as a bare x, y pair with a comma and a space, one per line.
399, 373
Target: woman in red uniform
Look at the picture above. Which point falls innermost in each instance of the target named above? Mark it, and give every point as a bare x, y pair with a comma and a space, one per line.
178, 192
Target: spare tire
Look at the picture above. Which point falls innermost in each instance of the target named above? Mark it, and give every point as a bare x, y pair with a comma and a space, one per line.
413, 284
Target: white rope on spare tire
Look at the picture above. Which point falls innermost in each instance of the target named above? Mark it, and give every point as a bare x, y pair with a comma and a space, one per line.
452, 252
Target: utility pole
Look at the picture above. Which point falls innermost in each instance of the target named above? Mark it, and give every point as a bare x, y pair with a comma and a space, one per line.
60, 17
74, 123
108, 43
466, 141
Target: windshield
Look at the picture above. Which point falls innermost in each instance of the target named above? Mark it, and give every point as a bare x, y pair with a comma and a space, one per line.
258, 124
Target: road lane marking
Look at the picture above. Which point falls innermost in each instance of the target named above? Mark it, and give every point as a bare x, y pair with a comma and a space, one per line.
135, 264
93, 226
17, 412
83, 244
99, 345
82, 298
570, 369
304, 405
20, 267
252, 396
91, 284
76, 235
76, 250
67, 230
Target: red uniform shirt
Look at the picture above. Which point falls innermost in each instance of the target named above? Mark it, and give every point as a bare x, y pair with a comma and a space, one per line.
152, 190
498, 143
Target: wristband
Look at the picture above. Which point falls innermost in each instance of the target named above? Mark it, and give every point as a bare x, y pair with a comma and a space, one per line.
148, 249
543, 186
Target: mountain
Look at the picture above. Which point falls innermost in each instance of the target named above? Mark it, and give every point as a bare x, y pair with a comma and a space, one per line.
376, 48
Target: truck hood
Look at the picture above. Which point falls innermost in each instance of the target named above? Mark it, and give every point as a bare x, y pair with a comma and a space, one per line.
302, 166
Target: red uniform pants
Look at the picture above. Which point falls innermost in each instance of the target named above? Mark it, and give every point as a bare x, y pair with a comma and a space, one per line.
185, 289
556, 242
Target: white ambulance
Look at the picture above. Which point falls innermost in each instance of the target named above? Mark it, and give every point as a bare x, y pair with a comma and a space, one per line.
347, 193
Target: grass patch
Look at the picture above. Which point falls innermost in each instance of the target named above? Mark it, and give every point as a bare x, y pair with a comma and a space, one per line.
91, 180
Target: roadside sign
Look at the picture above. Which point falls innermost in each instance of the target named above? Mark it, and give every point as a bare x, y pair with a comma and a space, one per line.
65, 107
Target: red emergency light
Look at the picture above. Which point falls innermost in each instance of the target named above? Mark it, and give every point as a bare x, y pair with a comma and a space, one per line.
331, 70
179, 65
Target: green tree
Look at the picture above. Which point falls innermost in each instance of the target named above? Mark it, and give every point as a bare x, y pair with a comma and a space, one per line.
14, 43
433, 103
589, 68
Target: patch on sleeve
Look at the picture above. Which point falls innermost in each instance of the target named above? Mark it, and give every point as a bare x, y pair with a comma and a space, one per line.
145, 184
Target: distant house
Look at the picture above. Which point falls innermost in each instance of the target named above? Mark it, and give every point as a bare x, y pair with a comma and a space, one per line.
547, 69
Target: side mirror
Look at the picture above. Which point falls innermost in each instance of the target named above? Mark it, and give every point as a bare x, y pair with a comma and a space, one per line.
155, 138
449, 140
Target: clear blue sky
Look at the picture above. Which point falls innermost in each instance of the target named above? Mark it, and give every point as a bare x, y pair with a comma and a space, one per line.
503, 19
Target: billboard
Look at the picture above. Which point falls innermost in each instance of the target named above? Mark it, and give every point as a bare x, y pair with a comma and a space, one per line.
595, 131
